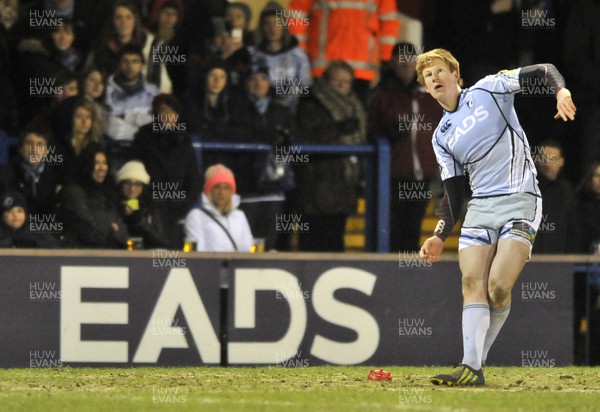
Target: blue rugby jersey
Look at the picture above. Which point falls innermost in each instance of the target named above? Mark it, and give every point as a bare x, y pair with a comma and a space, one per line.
483, 137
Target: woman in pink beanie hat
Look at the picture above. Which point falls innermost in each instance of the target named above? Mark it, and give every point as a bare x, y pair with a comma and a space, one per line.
216, 224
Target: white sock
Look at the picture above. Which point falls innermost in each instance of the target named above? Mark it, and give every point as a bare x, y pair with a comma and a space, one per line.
475, 323
497, 318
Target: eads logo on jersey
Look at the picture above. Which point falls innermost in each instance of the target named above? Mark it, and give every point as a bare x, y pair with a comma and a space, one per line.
479, 114
468, 123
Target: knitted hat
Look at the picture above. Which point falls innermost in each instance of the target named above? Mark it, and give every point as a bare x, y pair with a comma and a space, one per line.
133, 170
244, 8
218, 174
12, 199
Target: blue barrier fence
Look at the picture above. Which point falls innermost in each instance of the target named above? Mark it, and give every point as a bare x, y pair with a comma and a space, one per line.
6, 142
377, 174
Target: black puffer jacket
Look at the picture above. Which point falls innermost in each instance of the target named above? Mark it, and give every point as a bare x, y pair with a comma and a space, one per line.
41, 196
147, 223
171, 163
330, 185
588, 210
88, 209
275, 126
24, 237
88, 214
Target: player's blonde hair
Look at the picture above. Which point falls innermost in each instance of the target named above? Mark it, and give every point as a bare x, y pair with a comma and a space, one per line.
424, 61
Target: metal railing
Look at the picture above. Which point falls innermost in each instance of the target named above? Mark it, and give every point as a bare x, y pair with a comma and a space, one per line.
6, 142
377, 175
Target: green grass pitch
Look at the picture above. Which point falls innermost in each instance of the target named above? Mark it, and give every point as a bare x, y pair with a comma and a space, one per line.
319, 388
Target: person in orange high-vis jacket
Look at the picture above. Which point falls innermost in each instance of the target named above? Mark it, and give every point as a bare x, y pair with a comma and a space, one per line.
360, 32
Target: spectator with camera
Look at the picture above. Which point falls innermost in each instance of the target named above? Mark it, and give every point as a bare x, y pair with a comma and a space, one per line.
142, 216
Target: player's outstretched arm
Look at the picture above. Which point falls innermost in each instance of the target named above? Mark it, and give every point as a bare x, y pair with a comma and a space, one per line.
564, 105
555, 81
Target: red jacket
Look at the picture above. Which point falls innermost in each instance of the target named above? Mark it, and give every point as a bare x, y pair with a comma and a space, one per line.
361, 32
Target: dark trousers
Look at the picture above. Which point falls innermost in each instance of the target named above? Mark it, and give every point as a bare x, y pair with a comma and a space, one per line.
362, 89
409, 200
324, 234
262, 217
175, 233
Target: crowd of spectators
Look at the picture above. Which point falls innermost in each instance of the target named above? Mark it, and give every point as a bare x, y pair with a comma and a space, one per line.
106, 97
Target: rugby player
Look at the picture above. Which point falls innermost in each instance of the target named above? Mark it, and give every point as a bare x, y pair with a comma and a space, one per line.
479, 136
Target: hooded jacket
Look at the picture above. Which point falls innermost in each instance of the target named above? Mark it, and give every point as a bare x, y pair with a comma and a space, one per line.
289, 70
128, 112
211, 237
